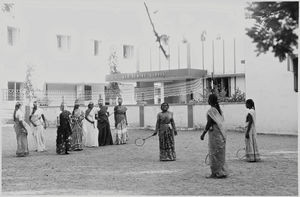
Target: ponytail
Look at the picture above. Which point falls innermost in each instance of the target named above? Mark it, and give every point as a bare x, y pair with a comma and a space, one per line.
218, 108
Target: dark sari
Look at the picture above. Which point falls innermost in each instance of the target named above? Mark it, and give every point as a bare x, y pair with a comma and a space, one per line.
63, 132
165, 126
104, 137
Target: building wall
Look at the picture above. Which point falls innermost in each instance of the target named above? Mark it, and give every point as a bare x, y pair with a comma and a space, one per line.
271, 87
240, 84
234, 114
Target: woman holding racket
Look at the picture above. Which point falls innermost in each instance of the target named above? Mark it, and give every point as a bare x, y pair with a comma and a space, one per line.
216, 138
165, 127
252, 154
38, 122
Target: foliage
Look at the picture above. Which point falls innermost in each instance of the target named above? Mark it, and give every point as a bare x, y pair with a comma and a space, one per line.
28, 86
113, 90
113, 62
275, 27
6, 7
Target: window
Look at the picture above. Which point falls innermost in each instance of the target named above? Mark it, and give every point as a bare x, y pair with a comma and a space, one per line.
127, 51
220, 84
14, 91
88, 92
12, 35
96, 47
63, 42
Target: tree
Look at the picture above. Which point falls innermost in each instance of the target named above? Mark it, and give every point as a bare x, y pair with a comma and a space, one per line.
275, 27
113, 90
28, 85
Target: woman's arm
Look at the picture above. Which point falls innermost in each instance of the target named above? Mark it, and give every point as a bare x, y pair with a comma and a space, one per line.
126, 118
31, 121
249, 120
157, 125
209, 124
44, 119
115, 116
173, 125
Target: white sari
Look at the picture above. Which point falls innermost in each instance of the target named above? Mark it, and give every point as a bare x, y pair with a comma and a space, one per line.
38, 131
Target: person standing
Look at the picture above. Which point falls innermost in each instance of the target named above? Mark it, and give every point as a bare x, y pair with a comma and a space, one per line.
76, 122
216, 138
120, 123
104, 137
91, 130
20, 127
38, 122
63, 131
252, 154
166, 129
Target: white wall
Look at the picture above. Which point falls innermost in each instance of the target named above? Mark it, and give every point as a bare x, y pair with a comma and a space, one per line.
271, 87
234, 115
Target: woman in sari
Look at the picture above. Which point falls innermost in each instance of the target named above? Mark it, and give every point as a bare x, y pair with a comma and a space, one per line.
38, 122
91, 130
104, 137
216, 139
165, 127
252, 154
76, 123
20, 127
63, 131
120, 123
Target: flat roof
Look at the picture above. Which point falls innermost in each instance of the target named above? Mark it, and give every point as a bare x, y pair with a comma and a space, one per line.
162, 75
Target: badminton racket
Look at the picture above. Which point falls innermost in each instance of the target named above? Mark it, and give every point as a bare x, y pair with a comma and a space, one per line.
239, 154
141, 141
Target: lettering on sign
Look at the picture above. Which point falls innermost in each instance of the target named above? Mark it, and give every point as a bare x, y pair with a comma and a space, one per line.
138, 75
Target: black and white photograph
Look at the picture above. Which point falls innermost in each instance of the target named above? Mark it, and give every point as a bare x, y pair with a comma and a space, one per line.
149, 97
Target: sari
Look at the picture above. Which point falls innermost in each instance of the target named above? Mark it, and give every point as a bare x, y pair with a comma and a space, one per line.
216, 144
77, 133
165, 125
63, 133
38, 131
104, 137
252, 153
21, 134
121, 124
91, 139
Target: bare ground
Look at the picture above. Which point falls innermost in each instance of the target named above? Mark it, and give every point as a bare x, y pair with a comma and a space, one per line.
131, 170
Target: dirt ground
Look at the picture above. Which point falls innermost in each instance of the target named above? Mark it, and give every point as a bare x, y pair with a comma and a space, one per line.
131, 170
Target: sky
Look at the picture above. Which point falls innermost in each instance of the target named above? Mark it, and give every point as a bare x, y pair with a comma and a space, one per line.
179, 19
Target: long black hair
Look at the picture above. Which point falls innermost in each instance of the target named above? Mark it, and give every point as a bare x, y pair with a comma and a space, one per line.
75, 107
17, 106
213, 101
250, 103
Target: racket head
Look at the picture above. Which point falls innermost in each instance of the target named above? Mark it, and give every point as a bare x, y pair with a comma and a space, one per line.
139, 141
241, 153
207, 160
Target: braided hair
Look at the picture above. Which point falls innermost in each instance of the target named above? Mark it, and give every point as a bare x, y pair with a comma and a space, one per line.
213, 101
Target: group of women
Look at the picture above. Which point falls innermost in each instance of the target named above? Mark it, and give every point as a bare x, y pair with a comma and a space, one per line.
166, 129
92, 128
